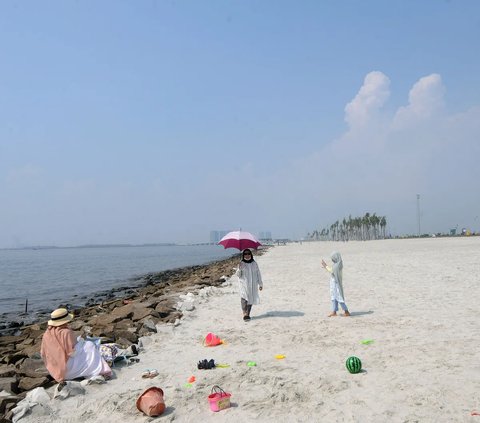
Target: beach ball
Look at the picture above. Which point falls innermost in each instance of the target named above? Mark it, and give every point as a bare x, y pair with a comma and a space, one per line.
353, 364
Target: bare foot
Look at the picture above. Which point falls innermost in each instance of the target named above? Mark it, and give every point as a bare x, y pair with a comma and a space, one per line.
346, 314
332, 314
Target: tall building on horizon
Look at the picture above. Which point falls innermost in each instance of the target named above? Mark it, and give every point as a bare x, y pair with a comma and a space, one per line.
216, 236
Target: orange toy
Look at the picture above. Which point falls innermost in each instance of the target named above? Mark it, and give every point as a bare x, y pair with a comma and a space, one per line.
212, 340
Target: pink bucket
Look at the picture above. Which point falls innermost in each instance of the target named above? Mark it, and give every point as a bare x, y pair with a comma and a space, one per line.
219, 399
212, 340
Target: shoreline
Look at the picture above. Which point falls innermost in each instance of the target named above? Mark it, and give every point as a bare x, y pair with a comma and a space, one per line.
10, 322
122, 320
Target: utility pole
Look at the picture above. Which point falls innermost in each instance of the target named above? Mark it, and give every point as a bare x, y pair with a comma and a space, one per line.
418, 213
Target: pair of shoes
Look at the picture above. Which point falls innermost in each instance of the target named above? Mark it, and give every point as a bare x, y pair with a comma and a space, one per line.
149, 373
206, 364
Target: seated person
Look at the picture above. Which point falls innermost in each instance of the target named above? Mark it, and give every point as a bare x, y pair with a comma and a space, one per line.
66, 357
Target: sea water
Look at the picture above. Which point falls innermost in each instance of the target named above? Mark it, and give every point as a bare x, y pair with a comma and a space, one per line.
47, 277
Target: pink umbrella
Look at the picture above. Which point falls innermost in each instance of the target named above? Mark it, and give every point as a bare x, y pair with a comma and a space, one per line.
239, 240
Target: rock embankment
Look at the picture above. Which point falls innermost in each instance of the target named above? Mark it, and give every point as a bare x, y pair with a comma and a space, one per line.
122, 320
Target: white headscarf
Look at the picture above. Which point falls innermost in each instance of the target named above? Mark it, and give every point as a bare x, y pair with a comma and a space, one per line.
337, 270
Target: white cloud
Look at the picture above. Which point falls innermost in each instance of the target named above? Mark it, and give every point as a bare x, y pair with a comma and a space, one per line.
379, 165
370, 98
425, 99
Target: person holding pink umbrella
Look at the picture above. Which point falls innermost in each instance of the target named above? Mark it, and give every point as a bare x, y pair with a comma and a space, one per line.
250, 282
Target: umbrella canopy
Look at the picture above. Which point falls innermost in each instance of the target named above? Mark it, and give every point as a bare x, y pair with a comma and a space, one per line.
239, 240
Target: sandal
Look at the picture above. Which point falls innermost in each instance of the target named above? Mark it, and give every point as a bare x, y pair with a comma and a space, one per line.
149, 374
206, 364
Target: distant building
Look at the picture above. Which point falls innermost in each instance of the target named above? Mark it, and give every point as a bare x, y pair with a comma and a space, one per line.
265, 235
216, 236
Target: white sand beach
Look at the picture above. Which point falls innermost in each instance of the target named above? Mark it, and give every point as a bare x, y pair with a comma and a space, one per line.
416, 299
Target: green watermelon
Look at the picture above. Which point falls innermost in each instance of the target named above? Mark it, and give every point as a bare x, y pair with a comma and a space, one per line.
354, 365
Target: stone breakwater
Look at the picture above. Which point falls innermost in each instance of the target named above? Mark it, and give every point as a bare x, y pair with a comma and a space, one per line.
122, 320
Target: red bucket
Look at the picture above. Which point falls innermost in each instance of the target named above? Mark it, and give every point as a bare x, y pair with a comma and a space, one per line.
212, 340
151, 402
219, 399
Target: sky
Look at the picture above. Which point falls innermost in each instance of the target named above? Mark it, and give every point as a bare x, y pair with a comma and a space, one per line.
159, 121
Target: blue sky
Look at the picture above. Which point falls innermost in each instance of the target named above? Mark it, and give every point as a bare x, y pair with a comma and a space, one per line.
157, 121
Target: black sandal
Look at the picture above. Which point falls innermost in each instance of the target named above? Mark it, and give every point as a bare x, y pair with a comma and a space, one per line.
206, 364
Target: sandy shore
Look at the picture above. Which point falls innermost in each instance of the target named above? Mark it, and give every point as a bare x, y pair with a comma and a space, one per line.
417, 299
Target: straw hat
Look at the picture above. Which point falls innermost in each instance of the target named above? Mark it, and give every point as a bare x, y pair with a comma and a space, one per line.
59, 317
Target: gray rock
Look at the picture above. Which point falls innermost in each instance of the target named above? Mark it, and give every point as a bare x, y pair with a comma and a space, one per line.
149, 325
33, 368
141, 312
7, 370
4, 401
124, 343
14, 358
9, 384
29, 383
107, 331
126, 334
164, 310
103, 320
123, 312
31, 351
122, 325
11, 340
77, 324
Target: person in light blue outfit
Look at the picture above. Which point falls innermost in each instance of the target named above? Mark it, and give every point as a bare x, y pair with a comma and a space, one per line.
336, 284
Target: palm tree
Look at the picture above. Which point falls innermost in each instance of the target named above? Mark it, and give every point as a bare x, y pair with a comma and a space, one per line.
370, 226
366, 225
383, 225
374, 221
344, 230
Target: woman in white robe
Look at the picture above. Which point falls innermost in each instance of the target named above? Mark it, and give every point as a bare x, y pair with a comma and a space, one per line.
336, 284
250, 281
86, 361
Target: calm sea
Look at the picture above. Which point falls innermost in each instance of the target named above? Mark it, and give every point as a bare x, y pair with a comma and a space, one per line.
50, 276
